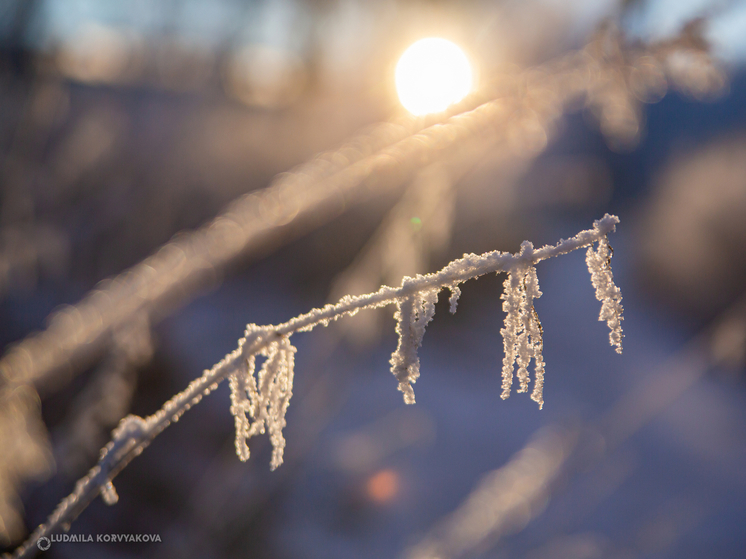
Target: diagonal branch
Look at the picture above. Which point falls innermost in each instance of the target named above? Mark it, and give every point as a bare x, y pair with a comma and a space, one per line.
611, 77
135, 433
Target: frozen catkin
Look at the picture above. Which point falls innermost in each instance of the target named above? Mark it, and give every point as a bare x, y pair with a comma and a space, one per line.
412, 315
599, 265
522, 334
259, 404
535, 334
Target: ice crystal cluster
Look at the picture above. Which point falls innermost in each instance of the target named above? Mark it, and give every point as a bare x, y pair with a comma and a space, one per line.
522, 334
265, 398
412, 315
599, 265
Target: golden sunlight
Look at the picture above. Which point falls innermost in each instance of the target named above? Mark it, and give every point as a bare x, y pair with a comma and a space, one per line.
432, 74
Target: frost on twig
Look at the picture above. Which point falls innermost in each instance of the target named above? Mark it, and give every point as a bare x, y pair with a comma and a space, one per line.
522, 334
412, 315
259, 401
599, 265
265, 398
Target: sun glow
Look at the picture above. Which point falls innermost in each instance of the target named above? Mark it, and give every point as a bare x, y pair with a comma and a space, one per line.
431, 75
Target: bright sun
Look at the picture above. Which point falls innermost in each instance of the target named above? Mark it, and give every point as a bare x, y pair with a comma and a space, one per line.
431, 75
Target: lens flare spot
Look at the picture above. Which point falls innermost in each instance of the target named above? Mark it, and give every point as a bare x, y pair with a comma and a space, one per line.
383, 486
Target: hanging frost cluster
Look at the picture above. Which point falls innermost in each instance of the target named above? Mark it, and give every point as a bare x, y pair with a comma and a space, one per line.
263, 398
522, 334
412, 315
259, 400
599, 265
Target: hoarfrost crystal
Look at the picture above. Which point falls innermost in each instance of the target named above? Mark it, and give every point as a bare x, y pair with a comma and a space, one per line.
599, 265
412, 315
522, 334
265, 398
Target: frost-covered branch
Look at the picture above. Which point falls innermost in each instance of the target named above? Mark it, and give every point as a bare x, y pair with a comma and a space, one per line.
259, 401
612, 77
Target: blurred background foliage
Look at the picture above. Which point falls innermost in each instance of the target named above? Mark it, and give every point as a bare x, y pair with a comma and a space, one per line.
123, 123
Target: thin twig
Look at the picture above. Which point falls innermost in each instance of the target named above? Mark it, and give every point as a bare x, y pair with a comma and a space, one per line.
135, 433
